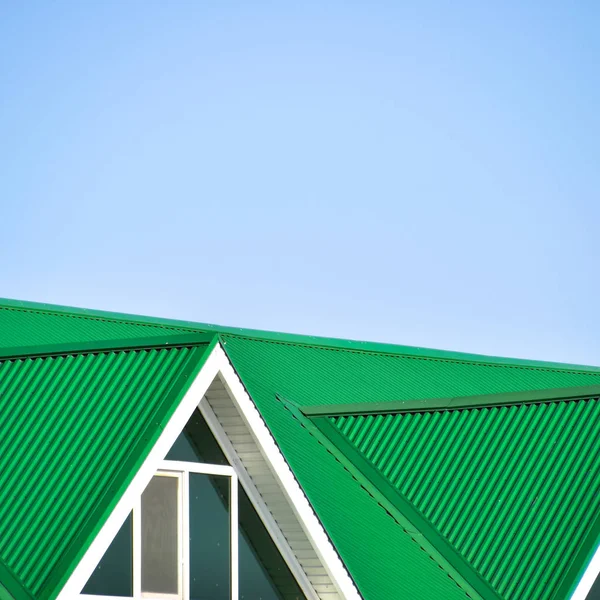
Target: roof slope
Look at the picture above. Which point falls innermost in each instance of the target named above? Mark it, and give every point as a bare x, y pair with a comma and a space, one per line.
76, 425
314, 376
385, 555
513, 488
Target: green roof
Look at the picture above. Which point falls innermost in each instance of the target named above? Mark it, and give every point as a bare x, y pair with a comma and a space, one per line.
390, 543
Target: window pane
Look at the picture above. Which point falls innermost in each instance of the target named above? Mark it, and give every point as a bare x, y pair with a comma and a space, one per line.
196, 443
210, 545
594, 593
183, 449
114, 574
160, 536
263, 572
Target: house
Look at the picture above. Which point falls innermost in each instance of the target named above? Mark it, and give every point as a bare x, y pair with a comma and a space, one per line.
152, 458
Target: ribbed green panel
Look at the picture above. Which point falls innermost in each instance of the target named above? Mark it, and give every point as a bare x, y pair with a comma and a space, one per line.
514, 489
73, 427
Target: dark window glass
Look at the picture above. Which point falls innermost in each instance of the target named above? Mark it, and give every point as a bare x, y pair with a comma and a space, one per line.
160, 542
210, 538
264, 575
196, 443
114, 574
594, 593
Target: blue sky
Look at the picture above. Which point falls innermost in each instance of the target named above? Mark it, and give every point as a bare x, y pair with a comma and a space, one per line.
423, 173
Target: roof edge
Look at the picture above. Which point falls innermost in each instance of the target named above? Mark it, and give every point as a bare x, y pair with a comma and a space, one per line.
293, 338
453, 403
122, 344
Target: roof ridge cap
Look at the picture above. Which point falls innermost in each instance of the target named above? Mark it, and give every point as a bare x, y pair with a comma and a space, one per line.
539, 396
121, 345
393, 350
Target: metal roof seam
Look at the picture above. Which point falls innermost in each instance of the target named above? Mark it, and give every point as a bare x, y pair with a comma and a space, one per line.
361, 484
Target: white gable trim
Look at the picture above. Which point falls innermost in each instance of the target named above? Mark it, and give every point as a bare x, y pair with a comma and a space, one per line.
588, 578
218, 364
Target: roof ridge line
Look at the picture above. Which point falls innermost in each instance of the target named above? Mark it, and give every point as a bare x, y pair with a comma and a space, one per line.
393, 350
121, 344
454, 402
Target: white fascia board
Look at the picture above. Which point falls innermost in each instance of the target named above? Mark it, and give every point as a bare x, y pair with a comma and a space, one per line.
140, 481
588, 578
216, 364
287, 480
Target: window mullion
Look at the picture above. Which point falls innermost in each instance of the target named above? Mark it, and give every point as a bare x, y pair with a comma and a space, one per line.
185, 535
137, 549
234, 537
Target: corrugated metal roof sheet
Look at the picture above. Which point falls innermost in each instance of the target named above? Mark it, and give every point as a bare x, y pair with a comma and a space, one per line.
385, 559
514, 488
75, 428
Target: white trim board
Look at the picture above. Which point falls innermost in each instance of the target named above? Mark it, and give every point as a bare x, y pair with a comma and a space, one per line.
218, 365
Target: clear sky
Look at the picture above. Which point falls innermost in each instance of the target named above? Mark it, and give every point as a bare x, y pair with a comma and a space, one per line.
425, 173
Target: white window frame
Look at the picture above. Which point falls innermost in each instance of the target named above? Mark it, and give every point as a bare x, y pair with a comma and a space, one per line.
181, 471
